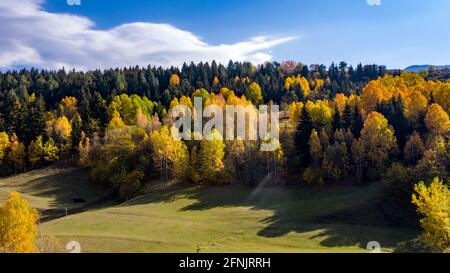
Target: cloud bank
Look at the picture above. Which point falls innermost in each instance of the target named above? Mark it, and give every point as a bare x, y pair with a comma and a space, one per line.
31, 36
374, 2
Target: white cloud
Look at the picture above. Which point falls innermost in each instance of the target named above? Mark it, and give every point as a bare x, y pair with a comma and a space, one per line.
374, 2
31, 36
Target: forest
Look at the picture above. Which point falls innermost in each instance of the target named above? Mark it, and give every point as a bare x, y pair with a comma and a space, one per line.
341, 126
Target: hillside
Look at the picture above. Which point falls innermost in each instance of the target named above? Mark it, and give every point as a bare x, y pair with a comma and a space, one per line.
53, 188
232, 219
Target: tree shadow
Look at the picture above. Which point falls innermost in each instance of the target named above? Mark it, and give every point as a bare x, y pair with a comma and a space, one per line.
55, 188
338, 216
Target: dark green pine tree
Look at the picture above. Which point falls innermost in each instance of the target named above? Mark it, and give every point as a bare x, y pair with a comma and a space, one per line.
2, 123
84, 111
77, 129
36, 119
337, 122
302, 136
347, 117
305, 71
99, 109
357, 123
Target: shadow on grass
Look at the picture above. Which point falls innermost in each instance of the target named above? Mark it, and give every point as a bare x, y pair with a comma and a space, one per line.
61, 185
337, 216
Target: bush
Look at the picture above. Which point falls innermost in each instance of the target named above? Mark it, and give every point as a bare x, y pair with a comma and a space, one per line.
398, 180
127, 184
413, 246
50, 244
312, 176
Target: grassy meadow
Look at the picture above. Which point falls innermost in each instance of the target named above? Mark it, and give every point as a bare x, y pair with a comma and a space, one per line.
172, 218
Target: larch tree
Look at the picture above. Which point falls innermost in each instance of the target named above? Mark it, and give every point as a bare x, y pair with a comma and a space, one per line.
433, 203
437, 120
321, 113
18, 225
378, 138
116, 122
169, 152
17, 154
62, 129
212, 152
174, 80
254, 93
295, 111
315, 148
414, 149
84, 147
69, 106
4, 145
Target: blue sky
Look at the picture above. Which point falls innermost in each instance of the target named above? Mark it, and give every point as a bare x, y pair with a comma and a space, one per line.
396, 33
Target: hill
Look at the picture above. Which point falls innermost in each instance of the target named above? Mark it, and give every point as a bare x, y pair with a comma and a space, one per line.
53, 188
233, 219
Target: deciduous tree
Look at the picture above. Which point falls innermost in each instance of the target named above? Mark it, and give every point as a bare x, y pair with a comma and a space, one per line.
433, 203
18, 225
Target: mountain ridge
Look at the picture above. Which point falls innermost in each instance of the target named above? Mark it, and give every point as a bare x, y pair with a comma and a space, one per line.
424, 67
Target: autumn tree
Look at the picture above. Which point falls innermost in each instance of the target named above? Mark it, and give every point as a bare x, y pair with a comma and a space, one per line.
433, 203
69, 106
174, 80
84, 147
414, 149
169, 153
437, 120
17, 154
254, 93
4, 145
63, 129
434, 162
321, 113
18, 225
335, 162
212, 151
295, 111
378, 138
415, 106
315, 148
40, 151
116, 122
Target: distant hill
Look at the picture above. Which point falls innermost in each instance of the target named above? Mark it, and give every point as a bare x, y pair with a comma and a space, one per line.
419, 68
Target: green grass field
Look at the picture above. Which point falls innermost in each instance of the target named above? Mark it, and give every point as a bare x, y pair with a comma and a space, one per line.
224, 219
215, 219
52, 188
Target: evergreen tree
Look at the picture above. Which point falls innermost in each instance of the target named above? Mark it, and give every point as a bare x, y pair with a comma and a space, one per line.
337, 122
302, 137
356, 123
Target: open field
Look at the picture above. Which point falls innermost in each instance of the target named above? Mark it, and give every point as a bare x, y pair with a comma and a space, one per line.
52, 188
221, 219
